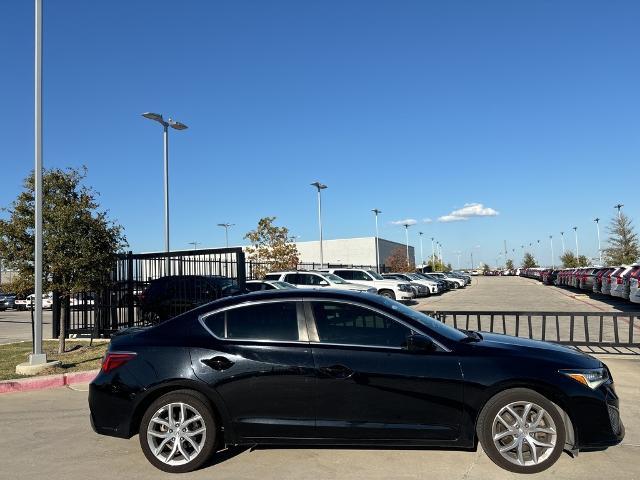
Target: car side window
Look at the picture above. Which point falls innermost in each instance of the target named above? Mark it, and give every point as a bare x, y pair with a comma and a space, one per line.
266, 321
348, 324
309, 279
254, 287
361, 276
346, 274
291, 278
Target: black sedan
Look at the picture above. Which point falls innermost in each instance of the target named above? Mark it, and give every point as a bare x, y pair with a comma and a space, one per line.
304, 367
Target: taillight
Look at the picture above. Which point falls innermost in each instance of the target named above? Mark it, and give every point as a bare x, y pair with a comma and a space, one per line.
114, 360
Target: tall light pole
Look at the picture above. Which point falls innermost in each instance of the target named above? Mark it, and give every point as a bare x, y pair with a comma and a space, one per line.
226, 227
377, 212
37, 356
618, 207
441, 256
195, 244
553, 261
156, 117
406, 234
575, 230
433, 257
597, 220
320, 187
421, 251
562, 238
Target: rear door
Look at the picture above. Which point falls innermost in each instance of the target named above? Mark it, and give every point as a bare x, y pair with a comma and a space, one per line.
260, 363
369, 387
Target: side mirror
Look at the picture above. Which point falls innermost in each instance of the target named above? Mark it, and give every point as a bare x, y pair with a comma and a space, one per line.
419, 344
324, 283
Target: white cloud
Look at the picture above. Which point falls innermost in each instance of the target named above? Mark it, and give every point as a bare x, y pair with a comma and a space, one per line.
451, 218
427, 220
406, 221
469, 210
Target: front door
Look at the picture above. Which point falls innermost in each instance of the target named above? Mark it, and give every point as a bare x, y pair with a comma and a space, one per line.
369, 387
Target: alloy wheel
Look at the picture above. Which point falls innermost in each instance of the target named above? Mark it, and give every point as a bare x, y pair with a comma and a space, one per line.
524, 433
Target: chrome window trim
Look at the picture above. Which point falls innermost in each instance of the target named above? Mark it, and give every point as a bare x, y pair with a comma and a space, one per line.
315, 339
303, 336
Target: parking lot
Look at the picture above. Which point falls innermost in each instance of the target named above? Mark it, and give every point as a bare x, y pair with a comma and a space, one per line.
47, 434
522, 294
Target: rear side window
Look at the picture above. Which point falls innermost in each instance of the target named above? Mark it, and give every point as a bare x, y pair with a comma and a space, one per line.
266, 321
272, 276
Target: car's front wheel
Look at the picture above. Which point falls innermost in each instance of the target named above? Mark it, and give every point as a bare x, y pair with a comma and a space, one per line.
521, 431
178, 432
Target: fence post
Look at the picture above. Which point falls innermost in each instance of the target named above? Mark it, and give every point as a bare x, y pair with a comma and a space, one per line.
130, 309
242, 272
55, 315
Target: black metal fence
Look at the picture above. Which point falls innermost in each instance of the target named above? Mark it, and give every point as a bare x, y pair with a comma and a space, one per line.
118, 305
612, 330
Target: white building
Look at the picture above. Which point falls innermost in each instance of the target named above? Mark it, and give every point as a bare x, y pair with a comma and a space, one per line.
351, 251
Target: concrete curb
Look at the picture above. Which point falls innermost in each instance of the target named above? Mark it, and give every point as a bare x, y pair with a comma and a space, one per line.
48, 381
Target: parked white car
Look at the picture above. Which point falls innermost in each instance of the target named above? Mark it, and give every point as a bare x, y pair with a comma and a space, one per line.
414, 278
394, 289
314, 279
634, 284
25, 304
607, 279
458, 281
617, 281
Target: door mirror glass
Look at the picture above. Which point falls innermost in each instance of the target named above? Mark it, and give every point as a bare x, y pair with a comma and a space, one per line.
419, 344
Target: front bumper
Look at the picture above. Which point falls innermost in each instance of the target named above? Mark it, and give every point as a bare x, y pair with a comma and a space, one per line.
597, 419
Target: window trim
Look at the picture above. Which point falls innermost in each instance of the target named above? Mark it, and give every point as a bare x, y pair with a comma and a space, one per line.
303, 336
314, 338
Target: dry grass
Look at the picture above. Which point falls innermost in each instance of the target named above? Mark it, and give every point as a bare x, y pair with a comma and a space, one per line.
78, 357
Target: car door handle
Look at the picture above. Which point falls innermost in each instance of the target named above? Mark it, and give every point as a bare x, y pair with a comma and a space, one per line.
337, 371
218, 363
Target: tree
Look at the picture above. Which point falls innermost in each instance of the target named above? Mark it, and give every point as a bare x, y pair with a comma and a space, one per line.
509, 265
79, 242
437, 265
569, 260
271, 248
623, 242
528, 261
486, 269
397, 261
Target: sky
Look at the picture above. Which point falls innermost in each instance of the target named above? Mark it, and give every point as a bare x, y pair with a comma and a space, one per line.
483, 122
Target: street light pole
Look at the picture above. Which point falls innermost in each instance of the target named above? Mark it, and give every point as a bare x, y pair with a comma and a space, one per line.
156, 117
195, 244
376, 212
562, 237
433, 257
575, 230
37, 356
320, 187
421, 251
553, 264
597, 220
226, 232
619, 207
406, 234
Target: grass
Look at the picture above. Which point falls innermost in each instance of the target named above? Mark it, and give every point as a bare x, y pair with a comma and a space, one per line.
78, 357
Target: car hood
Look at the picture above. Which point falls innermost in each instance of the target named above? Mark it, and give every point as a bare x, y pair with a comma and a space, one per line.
548, 351
389, 283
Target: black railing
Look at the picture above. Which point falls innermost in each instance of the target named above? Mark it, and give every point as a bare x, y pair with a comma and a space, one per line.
581, 329
118, 304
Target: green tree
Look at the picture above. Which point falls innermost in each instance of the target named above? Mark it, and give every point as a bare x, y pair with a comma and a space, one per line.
623, 242
80, 243
509, 265
397, 261
486, 269
437, 265
528, 261
569, 260
271, 248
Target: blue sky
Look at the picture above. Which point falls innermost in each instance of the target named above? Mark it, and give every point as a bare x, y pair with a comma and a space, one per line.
418, 108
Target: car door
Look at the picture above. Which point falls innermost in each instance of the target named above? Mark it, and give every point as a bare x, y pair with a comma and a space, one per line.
259, 361
369, 387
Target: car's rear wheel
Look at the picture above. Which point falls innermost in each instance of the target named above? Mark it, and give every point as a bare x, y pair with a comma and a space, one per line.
521, 431
178, 432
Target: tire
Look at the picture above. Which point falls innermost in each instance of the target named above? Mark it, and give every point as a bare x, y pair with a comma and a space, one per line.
198, 446
521, 457
388, 294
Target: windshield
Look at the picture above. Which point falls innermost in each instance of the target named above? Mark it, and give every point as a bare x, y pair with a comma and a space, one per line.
429, 322
375, 274
413, 276
333, 278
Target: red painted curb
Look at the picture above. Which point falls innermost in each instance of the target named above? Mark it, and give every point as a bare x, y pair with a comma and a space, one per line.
48, 381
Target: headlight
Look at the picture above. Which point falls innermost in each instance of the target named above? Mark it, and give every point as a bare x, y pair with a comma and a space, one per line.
590, 378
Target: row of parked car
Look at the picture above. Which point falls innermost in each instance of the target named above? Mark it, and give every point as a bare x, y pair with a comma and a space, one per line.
620, 281
25, 302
